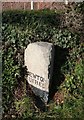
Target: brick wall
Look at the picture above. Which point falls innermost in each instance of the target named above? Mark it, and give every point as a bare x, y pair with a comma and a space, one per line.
27, 5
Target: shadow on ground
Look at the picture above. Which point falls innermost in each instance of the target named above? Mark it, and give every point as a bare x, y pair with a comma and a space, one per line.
60, 59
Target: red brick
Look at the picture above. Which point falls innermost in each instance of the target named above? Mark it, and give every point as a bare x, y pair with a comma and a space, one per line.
41, 5
57, 5
44, 5
36, 5
6, 5
17, 6
27, 6
47, 5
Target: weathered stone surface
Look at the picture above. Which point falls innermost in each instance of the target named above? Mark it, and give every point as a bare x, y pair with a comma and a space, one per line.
39, 62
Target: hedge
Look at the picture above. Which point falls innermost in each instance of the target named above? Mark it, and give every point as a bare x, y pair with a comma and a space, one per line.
19, 28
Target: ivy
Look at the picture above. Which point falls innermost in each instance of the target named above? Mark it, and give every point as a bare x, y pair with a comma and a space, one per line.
21, 28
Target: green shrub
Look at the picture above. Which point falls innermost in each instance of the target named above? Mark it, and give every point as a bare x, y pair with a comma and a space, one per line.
24, 107
21, 28
74, 83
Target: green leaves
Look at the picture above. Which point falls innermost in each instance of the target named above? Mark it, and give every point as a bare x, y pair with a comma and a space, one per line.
74, 83
64, 38
21, 28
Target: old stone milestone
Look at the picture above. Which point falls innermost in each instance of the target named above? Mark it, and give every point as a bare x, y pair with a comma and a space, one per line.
39, 62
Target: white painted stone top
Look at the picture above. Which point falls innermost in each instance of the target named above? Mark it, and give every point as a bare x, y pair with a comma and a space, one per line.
39, 62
